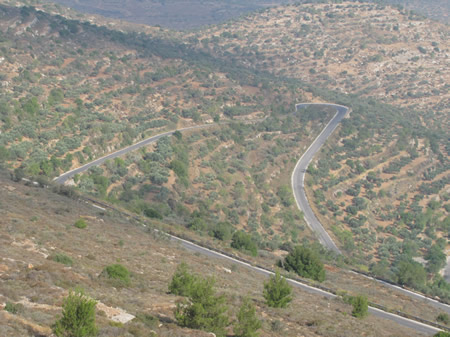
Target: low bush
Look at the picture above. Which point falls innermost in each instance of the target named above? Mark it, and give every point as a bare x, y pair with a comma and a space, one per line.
61, 258
13, 308
80, 223
117, 273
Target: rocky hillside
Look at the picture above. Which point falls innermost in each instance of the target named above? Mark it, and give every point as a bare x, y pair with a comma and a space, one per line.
44, 256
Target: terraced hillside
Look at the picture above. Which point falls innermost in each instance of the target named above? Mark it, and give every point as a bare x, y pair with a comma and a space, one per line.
357, 48
382, 184
74, 91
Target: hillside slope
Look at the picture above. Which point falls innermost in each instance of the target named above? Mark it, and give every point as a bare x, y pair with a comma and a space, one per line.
37, 225
74, 91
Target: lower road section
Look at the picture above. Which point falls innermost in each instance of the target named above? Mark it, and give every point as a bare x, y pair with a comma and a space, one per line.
425, 329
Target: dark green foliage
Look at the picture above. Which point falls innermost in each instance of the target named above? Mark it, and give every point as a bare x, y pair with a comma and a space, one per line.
61, 258
304, 262
222, 231
411, 273
443, 318
442, 334
13, 308
80, 223
360, 306
152, 213
118, 273
178, 135
18, 174
277, 291
244, 242
204, 310
55, 96
179, 168
247, 324
436, 259
182, 281
4, 154
285, 195
78, 317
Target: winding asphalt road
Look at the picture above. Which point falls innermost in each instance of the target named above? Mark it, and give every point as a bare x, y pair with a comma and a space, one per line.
298, 187
298, 175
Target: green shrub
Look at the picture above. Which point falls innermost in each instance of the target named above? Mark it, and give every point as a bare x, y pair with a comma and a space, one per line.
78, 316
152, 213
149, 320
277, 291
204, 310
80, 223
443, 318
247, 323
118, 273
304, 262
182, 281
13, 308
442, 334
244, 242
61, 258
360, 306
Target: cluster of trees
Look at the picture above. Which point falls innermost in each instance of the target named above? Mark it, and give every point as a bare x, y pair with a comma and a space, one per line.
205, 310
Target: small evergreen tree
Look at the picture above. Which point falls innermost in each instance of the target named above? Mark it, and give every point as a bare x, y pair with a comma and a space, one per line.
78, 316
247, 324
304, 262
277, 291
182, 281
204, 310
360, 306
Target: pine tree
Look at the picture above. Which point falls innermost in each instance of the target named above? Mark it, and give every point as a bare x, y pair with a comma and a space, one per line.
78, 316
360, 306
182, 281
204, 310
277, 291
247, 322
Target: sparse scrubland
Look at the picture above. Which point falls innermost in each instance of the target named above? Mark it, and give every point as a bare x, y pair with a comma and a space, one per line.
74, 90
33, 285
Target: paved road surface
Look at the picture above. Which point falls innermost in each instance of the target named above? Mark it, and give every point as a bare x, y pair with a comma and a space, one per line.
297, 179
67, 175
420, 327
298, 175
298, 187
